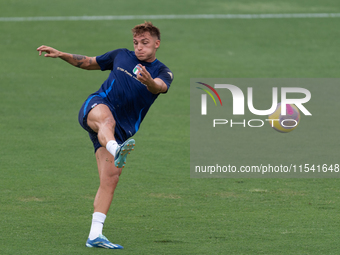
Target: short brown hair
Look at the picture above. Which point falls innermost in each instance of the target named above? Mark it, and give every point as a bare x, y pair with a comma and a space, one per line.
146, 27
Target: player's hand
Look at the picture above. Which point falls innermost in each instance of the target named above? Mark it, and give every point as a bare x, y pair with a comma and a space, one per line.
144, 76
155, 86
50, 52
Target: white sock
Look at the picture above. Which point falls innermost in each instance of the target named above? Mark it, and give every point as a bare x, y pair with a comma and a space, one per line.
97, 225
112, 146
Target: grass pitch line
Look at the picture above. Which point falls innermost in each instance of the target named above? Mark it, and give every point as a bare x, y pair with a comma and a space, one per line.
174, 16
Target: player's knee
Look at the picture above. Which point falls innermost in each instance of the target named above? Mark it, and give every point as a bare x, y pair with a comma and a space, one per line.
114, 180
110, 183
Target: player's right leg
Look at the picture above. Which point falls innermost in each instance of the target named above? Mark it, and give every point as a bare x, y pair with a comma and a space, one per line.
101, 121
96, 118
122, 152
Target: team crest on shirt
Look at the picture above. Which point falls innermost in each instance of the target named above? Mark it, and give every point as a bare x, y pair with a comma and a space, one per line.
136, 70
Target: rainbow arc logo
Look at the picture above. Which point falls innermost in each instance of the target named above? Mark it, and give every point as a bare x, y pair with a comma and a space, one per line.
208, 92
204, 97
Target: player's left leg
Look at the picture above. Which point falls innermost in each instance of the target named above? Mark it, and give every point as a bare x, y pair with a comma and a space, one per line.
109, 177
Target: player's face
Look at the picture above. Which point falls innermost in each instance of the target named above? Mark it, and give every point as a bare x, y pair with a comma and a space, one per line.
145, 47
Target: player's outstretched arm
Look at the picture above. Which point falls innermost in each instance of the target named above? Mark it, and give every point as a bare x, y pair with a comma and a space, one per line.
84, 62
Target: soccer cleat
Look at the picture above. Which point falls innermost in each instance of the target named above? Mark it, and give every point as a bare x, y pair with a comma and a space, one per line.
122, 151
102, 242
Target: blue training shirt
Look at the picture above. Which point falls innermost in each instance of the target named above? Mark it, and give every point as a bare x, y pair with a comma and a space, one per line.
128, 98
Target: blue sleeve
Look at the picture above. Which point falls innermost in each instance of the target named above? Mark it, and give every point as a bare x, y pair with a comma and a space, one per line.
106, 60
165, 75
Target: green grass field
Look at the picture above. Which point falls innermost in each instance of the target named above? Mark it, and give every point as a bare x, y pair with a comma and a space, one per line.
48, 170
